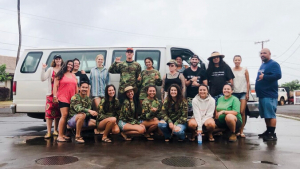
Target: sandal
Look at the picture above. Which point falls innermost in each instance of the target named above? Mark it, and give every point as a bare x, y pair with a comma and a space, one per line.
47, 136
211, 139
193, 137
79, 140
125, 137
55, 133
148, 137
106, 140
61, 140
238, 134
218, 133
167, 140
242, 135
66, 138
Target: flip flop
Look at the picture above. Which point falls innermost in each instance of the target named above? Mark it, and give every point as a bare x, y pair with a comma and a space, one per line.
61, 140
79, 140
167, 140
125, 137
66, 138
211, 139
106, 140
242, 135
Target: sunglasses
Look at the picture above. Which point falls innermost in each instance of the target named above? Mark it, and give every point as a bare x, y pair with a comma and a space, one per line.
129, 51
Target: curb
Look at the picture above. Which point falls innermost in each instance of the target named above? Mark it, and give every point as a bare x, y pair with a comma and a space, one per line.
288, 117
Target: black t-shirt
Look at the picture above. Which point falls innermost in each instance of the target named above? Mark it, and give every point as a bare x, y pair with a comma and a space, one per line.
81, 77
188, 73
218, 78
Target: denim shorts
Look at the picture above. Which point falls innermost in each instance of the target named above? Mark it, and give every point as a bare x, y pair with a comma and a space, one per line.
121, 124
268, 107
240, 96
72, 122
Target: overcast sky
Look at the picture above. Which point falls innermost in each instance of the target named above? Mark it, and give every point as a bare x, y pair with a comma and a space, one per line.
230, 27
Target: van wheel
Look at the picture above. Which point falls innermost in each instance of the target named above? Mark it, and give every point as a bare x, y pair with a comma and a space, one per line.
281, 102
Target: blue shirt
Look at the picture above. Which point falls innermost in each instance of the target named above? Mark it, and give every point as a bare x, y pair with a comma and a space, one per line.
98, 81
268, 86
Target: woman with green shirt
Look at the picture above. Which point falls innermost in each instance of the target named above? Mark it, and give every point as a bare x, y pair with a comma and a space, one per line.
174, 114
109, 109
128, 119
148, 77
228, 112
150, 111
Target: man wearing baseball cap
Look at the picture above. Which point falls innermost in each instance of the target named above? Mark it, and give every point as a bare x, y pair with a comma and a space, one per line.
129, 71
194, 76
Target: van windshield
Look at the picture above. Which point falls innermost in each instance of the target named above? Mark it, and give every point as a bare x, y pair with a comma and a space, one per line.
87, 58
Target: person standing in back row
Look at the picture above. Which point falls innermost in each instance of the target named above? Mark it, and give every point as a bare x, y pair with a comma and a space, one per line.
194, 76
80, 75
218, 74
266, 88
129, 72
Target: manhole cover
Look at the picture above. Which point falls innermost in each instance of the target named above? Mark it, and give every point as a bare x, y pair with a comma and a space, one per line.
182, 161
56, 160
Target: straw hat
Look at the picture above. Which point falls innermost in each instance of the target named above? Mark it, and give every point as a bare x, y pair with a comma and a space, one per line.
215, 54
130, 88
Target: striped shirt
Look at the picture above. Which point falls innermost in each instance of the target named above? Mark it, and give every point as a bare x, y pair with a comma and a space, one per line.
98, 81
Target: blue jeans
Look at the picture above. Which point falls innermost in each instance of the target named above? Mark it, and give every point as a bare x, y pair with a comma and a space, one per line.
164, 127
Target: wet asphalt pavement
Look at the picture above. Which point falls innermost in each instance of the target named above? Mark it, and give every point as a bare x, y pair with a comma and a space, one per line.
22, 143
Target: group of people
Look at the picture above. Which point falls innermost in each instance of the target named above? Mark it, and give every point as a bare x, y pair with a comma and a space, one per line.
192, 98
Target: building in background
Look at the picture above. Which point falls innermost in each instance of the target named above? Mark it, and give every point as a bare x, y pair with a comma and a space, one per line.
10, 63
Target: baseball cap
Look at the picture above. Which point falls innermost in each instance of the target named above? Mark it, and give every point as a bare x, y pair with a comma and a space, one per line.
129, 49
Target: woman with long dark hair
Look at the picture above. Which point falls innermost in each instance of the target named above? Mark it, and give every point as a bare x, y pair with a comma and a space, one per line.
109, 110
174, 114
218, 74
51, 109
65, 86
150, 110
128, 119
149, 76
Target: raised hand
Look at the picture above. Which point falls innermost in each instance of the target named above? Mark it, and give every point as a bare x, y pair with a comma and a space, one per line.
44, 65
156, 76
139, 78
118, 59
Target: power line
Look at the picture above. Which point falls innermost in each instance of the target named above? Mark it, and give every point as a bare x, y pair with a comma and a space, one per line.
42, 38
290, 55
16, 45
8, 49
289, 47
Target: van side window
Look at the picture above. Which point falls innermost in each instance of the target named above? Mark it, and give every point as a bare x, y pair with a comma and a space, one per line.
118, 53
87, 58
31, 62
140, 56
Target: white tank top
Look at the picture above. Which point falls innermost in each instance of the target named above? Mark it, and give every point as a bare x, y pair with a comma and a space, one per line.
239, 82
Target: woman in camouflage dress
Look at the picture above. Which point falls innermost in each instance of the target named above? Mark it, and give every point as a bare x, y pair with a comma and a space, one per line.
109, 110
174, 114
150, 110
128, 119
148, 77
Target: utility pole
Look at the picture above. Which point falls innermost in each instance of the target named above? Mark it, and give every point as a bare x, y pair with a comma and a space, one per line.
262, 43
20, 34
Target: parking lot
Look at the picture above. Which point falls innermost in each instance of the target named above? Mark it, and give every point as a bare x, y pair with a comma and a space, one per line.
22, 144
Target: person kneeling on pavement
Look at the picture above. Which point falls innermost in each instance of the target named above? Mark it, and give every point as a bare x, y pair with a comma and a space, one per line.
228, 112
80, 112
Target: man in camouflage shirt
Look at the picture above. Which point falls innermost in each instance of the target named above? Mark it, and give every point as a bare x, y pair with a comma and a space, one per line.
129, 71
80, 111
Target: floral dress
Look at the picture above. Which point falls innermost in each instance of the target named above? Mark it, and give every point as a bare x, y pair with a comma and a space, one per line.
51, 110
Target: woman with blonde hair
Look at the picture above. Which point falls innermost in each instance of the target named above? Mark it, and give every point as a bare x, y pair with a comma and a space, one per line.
51, 109
99, 78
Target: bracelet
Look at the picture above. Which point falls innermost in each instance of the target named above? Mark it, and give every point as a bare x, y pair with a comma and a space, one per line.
54, 96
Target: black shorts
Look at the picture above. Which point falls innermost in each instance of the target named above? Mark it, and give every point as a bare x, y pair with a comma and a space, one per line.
63, 104
238, 125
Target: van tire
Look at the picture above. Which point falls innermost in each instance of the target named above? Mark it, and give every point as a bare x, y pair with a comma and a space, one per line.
281, 102
36, 115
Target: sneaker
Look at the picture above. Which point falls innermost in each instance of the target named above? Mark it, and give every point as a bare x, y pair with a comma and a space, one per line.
270, 137
232, 137
262, 134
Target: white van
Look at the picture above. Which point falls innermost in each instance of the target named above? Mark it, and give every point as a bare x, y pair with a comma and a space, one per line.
30, 92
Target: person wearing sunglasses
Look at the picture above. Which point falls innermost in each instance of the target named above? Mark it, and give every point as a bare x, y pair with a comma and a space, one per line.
174, 77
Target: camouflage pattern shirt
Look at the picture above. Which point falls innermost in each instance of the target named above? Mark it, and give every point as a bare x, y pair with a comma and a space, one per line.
129, 72
170, 115
147, 104
148, 78
80, 105
114, 111
127, 113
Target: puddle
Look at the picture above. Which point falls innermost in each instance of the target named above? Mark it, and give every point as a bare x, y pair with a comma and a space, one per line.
266, 162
